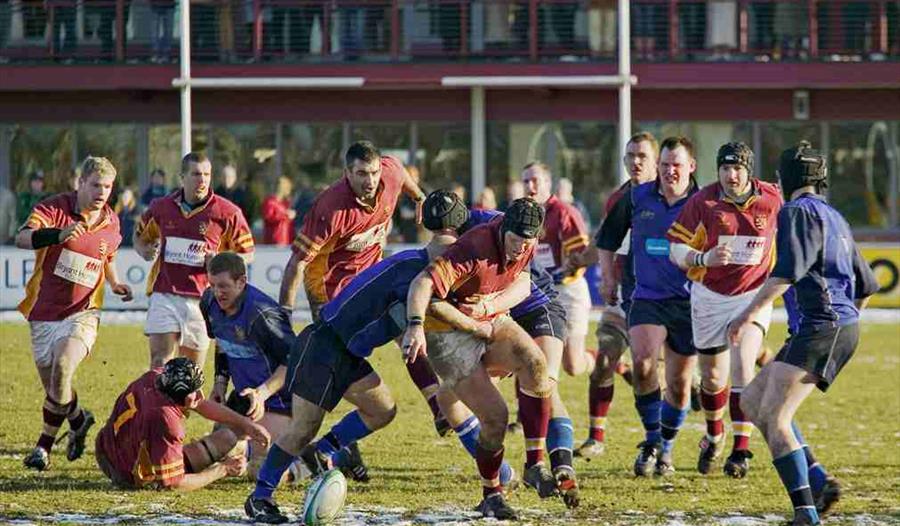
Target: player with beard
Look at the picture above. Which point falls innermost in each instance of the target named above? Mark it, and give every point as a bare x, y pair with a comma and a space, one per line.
180, 233
724, 238
75, 237
825, 283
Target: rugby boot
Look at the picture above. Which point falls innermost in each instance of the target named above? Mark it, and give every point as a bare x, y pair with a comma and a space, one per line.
264, 511
828, 496
738, 463
442, 426
645, 463
38, 459
567, 485
316, 461
75, 447
494, 505
354, 467
590, 449
709, 452
538, 477
664, 465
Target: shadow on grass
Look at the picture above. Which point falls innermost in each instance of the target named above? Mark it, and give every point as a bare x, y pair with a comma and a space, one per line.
56, 482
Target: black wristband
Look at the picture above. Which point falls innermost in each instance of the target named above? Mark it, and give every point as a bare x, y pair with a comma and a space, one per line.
414, 320
45, 237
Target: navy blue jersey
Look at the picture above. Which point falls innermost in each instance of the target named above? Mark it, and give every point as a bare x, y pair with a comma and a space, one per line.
542, 289
371, 310
255, 340
816, 252
645, 211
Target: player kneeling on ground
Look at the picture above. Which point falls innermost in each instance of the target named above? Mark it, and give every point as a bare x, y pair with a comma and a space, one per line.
825, 283
142, 443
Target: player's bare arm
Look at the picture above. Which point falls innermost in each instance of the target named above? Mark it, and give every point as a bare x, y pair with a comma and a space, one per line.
259, 394
293, 276
417, 299
112, 278
412, 190
608, 283
516, 293
223, 415
447, 313
147, 247
587, 257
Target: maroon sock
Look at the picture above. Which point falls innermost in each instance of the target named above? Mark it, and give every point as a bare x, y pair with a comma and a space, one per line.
714, 407
489, 462
423, 376
54, 415
740, 426
74, 413
599, 400
535, 415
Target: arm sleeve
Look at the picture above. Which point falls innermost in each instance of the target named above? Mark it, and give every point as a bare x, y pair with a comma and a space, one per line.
44, 215
616, 225
316, 231
573, 232
688, 228
451, 270
147, 229
798, 243
166, 457
273, 332
239, 239
866, 282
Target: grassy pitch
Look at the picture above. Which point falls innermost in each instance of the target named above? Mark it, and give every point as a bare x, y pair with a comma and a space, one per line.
420, 478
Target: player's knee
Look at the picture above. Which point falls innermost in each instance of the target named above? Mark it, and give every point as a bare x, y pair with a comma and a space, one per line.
611, 340
384, 416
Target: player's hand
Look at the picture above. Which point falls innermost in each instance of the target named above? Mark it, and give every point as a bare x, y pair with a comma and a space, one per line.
235, 466
73, 231
123, 290
291, 214
609, 291
484, 330
208, 255
479, 311
413, 344
149, 252
257, 434
719, 256
257, 403
736, 329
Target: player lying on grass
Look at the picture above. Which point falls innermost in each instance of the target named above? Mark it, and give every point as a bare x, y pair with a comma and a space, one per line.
480, 266
75, 237
328, 362
825, 282
142, 444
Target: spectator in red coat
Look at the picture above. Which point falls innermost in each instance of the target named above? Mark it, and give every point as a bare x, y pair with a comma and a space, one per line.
278, 215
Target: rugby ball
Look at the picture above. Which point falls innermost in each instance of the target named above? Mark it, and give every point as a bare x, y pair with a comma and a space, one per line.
325, 498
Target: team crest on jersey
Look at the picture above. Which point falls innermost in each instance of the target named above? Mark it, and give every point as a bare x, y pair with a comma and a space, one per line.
722, 219
759, 222
239, 333
170, 225
647, 215
203, 228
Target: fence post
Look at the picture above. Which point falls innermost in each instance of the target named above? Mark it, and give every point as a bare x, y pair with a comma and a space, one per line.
120, 30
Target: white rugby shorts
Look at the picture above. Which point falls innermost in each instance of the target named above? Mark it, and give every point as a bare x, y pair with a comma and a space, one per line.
181, 314
81, 326
575, 297
711, 313
455, 355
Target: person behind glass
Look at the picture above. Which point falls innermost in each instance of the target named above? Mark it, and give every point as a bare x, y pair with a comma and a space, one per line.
127, 210
229, 189
404, 228
278, 215
63, 21
106, 28
161, 27
156, 189
28, 199
7, 215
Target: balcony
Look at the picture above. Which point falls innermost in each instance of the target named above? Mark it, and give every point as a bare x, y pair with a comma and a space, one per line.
448, 31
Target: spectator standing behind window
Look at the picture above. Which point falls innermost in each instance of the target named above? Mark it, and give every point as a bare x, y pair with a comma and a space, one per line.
156, 189
127, 210
161, 28
278, 215
231, 190
8, 223
63, 22
34, 195
602, 26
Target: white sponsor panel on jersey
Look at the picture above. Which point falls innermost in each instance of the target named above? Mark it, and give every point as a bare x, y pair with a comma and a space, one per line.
78, 268
185, 251
543, 254
745, 250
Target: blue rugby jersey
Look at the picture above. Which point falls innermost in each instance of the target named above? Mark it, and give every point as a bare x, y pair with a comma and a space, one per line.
645, 211
255, 341
542, 289
816, 252
371, 310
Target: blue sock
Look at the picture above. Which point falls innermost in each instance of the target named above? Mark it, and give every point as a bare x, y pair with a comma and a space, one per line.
793, 471
468, 432
277, 462
560, 439
350, 429
817, 472
671, 419
648, 407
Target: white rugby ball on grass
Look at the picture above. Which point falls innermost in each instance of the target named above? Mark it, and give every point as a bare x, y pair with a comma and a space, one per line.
325, 498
